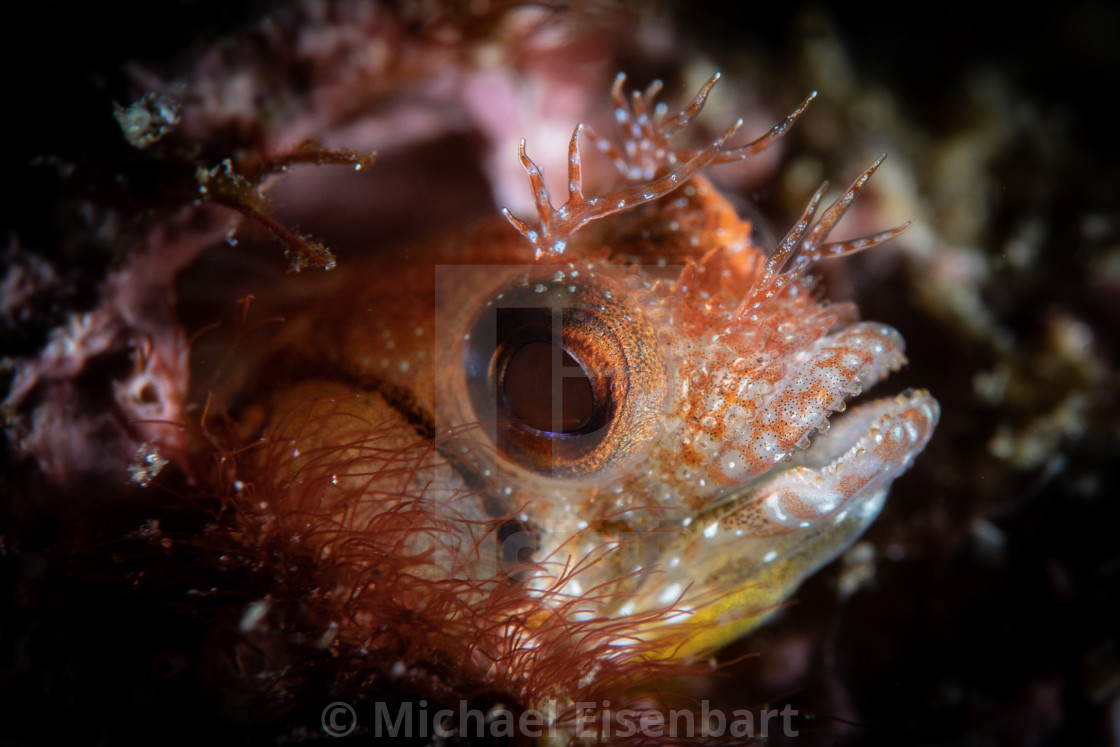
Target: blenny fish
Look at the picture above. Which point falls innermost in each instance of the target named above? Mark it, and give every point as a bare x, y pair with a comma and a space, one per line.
553, 459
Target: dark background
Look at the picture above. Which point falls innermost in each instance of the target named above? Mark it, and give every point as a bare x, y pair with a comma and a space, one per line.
994, 618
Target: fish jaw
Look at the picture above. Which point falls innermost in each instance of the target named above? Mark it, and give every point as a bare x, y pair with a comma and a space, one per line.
739, 560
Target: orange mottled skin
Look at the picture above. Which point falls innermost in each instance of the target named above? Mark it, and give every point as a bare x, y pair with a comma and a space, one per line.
698, 494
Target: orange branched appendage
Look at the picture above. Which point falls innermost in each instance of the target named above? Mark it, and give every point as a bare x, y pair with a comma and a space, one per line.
645, 137
558, 224
646, 156
805, 250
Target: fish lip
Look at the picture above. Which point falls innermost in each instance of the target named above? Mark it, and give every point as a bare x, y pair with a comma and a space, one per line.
850, 429
847, 432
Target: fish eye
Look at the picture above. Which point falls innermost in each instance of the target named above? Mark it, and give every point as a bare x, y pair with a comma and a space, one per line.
568, 381
547, 389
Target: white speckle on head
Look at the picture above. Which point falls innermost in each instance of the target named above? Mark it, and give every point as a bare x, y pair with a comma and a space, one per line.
732, 465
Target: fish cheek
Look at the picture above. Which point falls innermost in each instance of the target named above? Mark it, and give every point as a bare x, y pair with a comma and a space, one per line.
339, 466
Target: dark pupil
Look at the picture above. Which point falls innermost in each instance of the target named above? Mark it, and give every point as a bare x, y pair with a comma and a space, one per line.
547, 389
